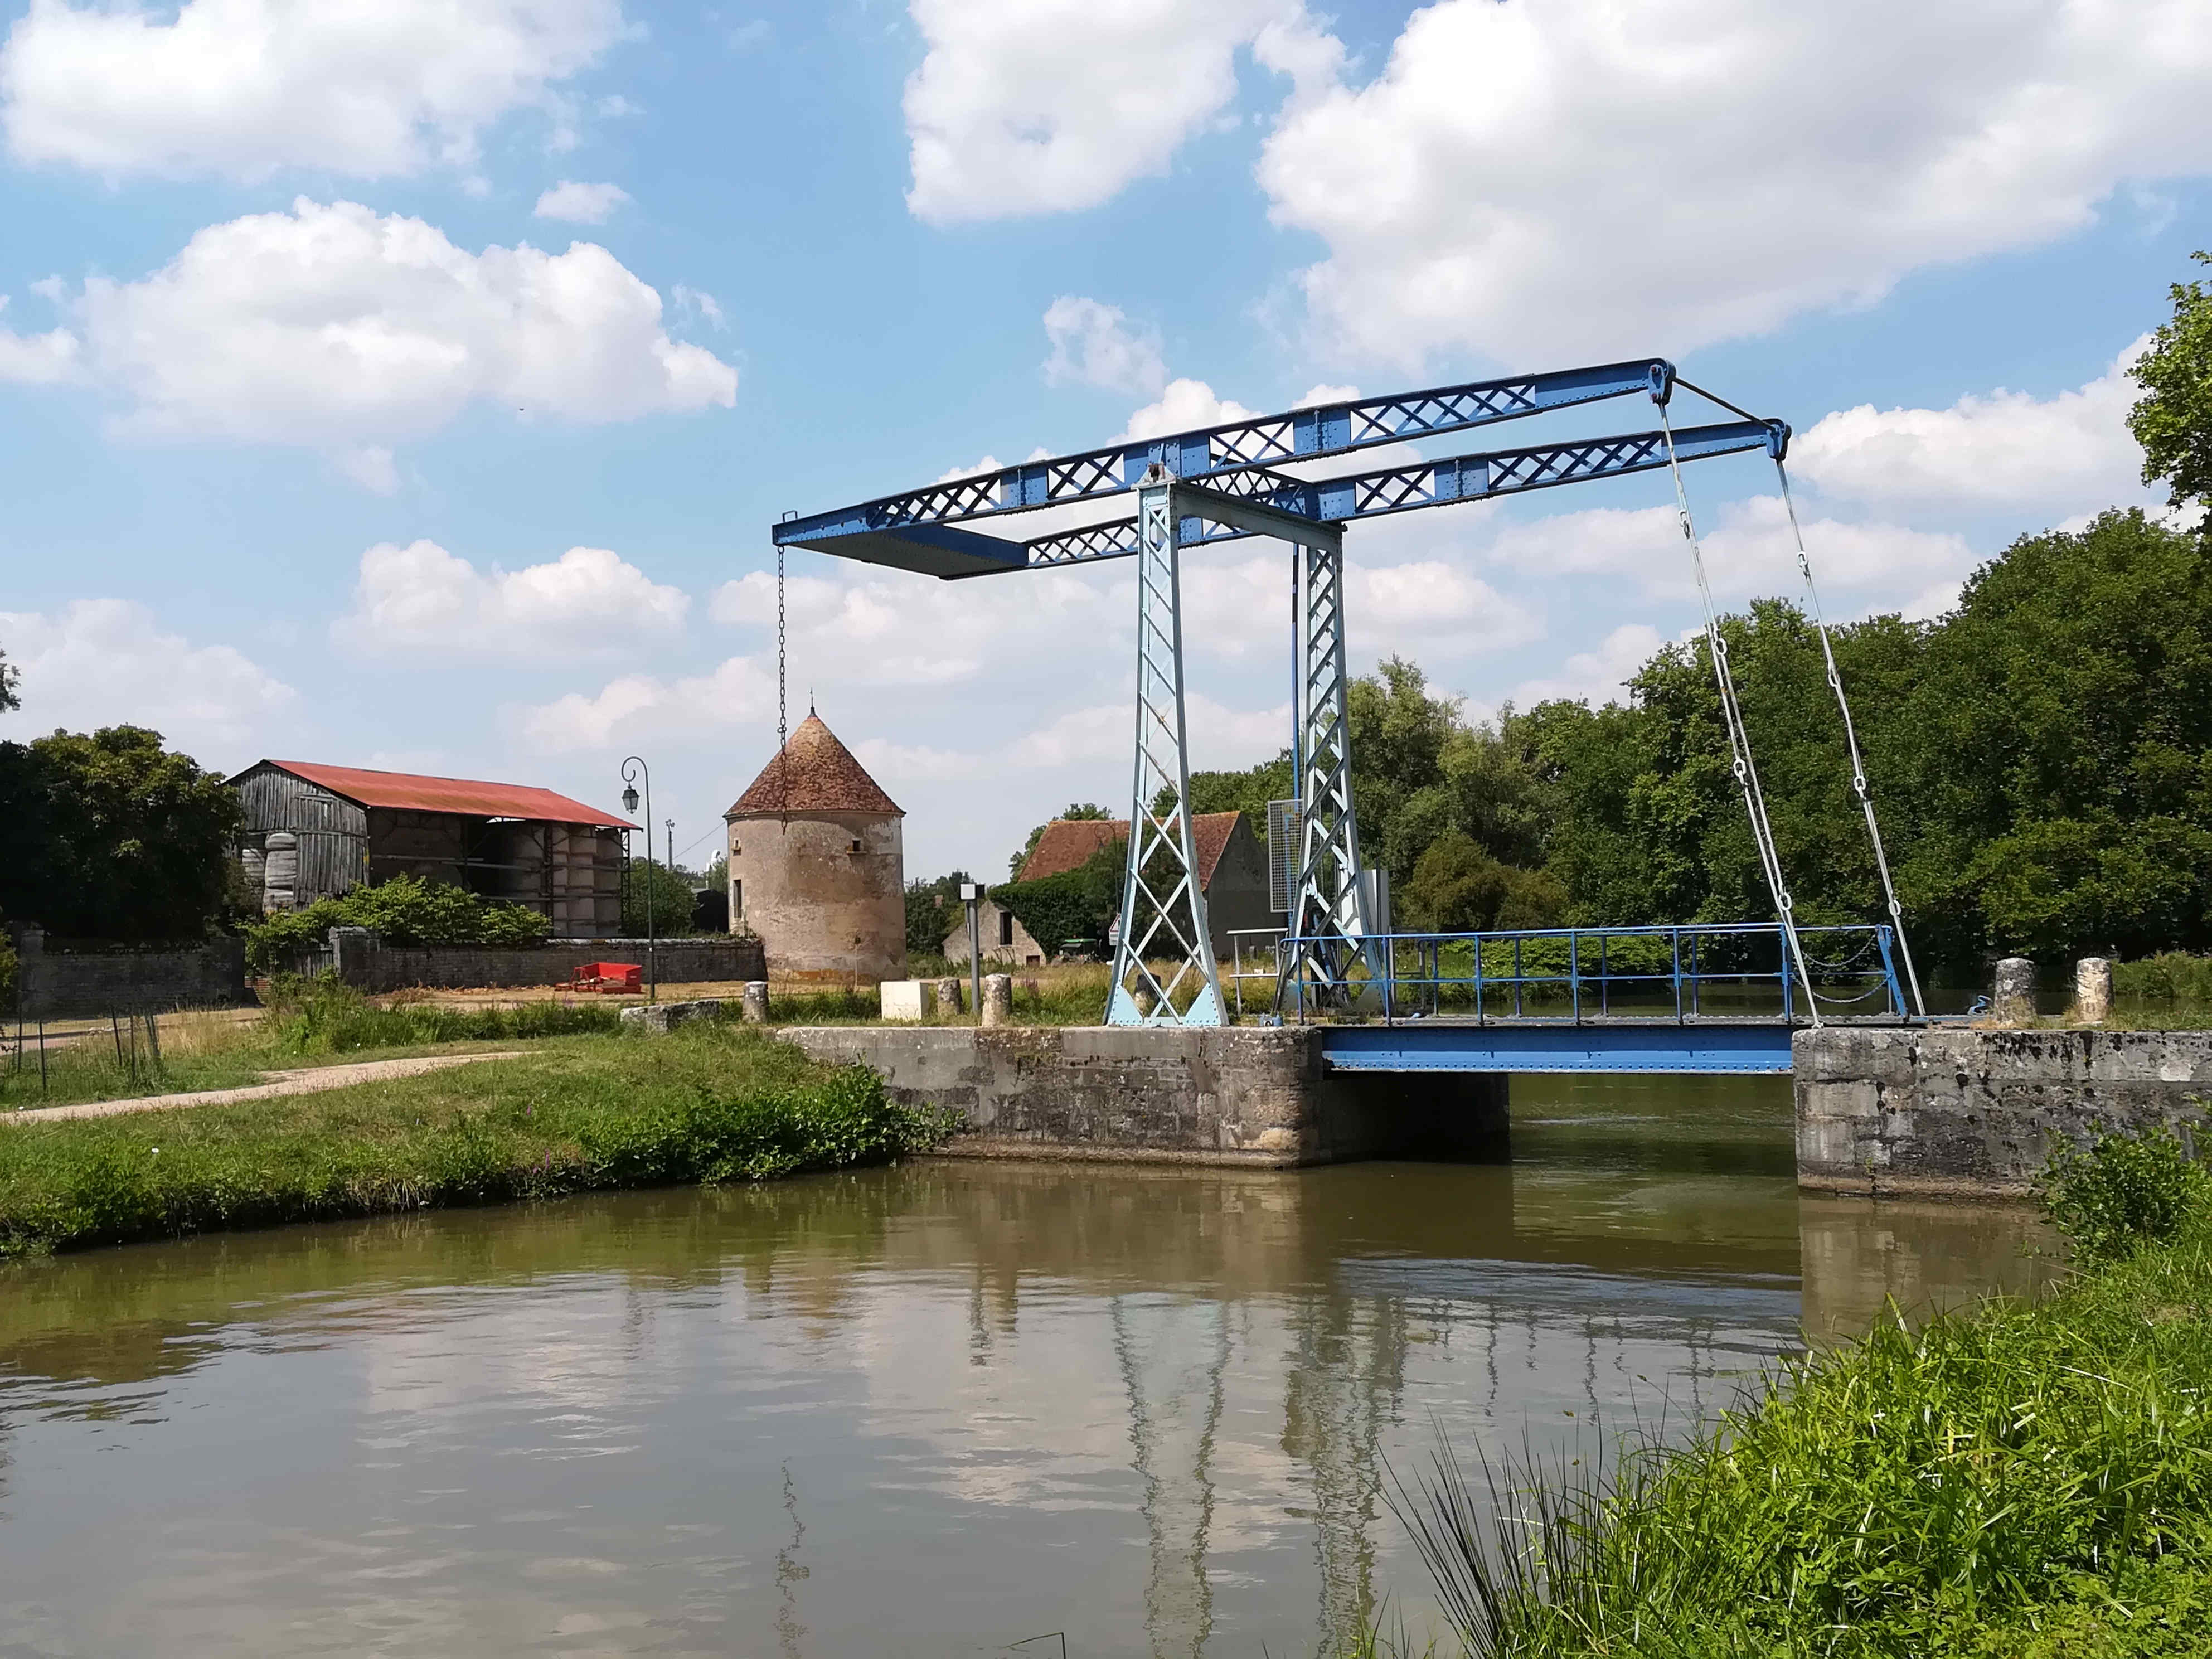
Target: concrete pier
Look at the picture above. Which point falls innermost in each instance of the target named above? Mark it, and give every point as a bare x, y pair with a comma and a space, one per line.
1957, 1113
1252, 1095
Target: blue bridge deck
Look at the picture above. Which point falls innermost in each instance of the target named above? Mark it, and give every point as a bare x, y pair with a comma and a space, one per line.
1711, 998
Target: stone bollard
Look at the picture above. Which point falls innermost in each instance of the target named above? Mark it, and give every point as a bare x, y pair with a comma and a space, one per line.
948, 997
997, 998
2093, 990
752, 1004
2014, 1001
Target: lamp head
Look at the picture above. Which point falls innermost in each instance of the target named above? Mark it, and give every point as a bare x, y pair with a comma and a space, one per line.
629, 799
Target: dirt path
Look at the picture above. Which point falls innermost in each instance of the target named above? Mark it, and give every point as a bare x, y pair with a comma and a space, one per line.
306, 1080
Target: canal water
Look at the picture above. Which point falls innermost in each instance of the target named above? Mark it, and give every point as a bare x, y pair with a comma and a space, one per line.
933, 1411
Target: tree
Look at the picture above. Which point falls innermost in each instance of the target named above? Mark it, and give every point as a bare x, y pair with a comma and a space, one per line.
114, 836
11, 677
1086, 810
933, 911
2173, 419
672, 900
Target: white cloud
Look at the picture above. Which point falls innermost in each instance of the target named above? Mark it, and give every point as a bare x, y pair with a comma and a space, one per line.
108, 662
1584, 177
1183, 406
905, 630
421, 597
739, 694
1595, 677
1240, 611
1042, 105
584, 205
338, 328
2000, 449
1094, 345
697, 302
37, 359
1749, 552
240, 89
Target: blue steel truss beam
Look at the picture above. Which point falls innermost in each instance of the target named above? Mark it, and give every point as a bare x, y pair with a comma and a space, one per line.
1300, 434
1403, 489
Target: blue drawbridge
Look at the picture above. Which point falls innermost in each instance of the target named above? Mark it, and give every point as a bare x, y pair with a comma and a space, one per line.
1711, 998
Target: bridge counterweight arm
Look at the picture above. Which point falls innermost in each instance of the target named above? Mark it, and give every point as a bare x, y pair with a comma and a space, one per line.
1405, 488
1295, 436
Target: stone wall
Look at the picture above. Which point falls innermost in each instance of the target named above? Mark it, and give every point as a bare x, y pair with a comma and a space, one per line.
363, 961
1253, 1095
1960, 1112
62, 984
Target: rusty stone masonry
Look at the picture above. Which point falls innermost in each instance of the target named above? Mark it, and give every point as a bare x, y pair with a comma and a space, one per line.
1955, 1112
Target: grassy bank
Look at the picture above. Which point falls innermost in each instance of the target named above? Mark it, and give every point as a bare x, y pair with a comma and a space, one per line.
581, 1113
305, 1022
2024, 1482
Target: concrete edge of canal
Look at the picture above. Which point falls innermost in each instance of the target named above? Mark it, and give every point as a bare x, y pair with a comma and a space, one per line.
1942, 1113
1950, 1112
1249, 1096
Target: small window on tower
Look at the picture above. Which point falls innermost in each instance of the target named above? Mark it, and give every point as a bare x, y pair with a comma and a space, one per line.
737, 897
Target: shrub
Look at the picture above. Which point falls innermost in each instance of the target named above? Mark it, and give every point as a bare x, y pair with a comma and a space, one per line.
2169, 976
2122, 1193
405, 910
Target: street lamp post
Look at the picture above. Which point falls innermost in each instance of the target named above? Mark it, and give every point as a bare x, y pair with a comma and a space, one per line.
629, 805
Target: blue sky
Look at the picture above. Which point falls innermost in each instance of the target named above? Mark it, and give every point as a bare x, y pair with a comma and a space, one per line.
413, 385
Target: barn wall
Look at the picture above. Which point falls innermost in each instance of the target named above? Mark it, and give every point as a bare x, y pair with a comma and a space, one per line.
333, 832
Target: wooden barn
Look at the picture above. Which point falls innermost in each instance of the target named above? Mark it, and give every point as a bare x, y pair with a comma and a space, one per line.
313, 831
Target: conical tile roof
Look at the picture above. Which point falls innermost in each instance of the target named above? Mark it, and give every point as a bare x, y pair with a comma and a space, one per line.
818, 773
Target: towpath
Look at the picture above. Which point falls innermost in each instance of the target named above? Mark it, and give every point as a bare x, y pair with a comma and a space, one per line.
306, 1080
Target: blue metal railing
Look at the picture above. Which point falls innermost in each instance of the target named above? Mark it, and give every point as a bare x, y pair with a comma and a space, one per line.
1586, 976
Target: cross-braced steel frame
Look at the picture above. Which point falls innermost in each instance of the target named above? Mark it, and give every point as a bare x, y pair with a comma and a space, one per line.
1329, 922
1250, 477
1164, 968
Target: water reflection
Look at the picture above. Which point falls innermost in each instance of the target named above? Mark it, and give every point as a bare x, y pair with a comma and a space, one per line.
931, 1410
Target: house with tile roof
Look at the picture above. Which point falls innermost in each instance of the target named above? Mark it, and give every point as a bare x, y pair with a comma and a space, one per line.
314, 830
1232, 872
818, 864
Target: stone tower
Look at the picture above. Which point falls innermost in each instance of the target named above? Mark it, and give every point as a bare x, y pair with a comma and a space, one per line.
818, 865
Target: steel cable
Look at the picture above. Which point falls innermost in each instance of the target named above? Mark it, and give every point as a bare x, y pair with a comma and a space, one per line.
1851, 741
1747, 773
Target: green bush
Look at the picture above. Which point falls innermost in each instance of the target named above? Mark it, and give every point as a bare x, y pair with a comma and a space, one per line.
405, 910
2169, 976
2122, 1192
1076, 904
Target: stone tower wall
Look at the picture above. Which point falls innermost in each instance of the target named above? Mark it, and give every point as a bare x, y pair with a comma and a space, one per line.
820, 906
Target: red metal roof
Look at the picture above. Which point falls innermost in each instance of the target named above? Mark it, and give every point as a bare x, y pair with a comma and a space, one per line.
413, 793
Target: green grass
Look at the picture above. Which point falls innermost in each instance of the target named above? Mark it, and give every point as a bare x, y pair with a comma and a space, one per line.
306, 1024
2019, 1479
711, 1104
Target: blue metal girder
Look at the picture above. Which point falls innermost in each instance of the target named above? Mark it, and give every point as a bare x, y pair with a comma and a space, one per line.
1296, 435
1658, 1046
1425, 483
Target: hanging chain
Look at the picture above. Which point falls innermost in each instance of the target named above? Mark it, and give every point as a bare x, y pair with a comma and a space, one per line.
1747, 773
782, 698
1851, 742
